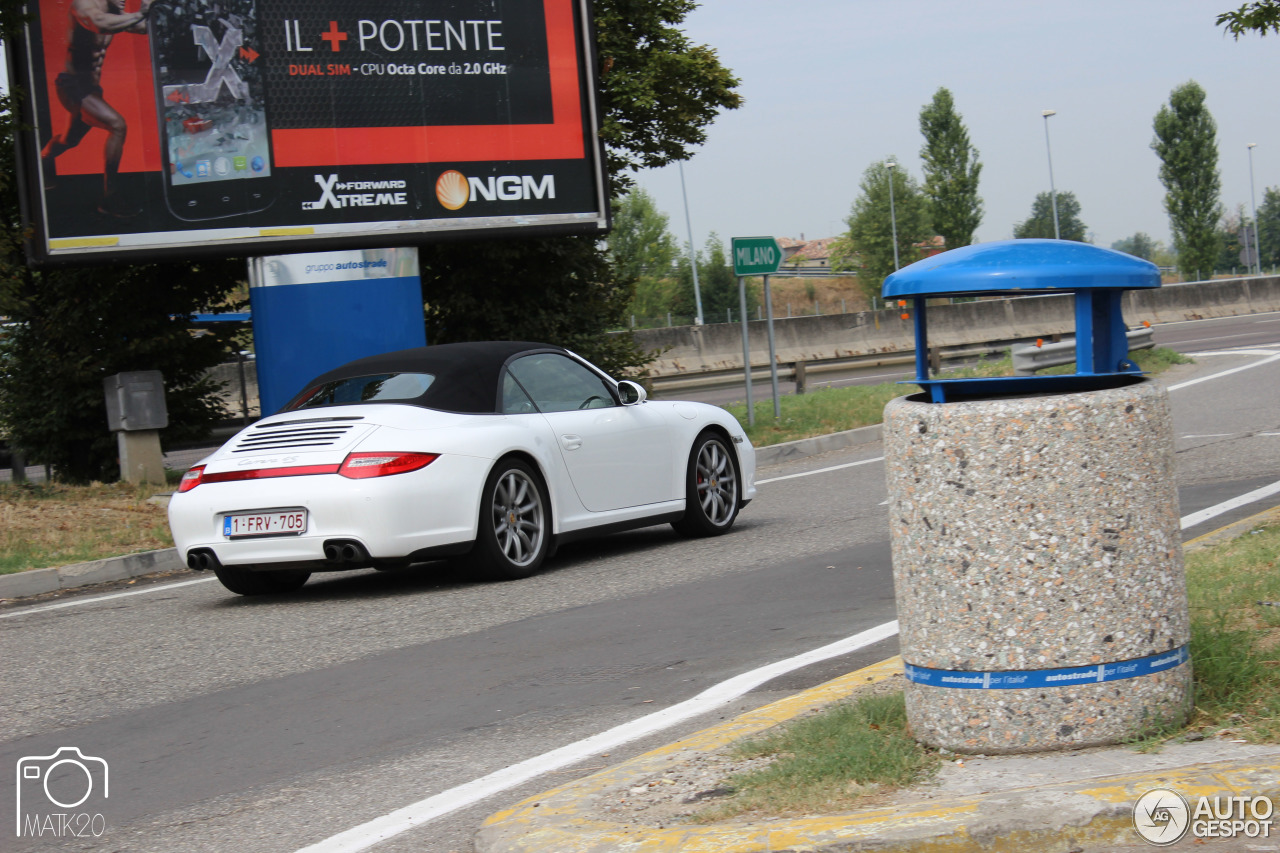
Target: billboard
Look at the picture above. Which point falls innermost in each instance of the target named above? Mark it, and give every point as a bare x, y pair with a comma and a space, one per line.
243, 127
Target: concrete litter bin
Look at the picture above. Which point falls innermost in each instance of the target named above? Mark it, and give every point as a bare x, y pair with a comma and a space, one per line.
1035, 526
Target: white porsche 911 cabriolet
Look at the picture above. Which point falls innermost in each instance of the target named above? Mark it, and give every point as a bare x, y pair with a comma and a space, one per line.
499, 451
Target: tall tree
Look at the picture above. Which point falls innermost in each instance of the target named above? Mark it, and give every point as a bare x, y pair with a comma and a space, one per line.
1040, 222
716, 282
872, 222
1187, 145
659, 91
1259, 16
1231, 239
1140, 245
951, 170
640, 246
1269, 227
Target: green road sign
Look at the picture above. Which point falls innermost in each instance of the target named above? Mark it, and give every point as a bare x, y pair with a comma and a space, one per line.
756, 256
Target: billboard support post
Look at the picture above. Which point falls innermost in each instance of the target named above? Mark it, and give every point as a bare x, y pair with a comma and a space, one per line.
317, 311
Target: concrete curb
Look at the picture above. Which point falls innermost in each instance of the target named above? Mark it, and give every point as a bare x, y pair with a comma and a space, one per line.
1096, 812
40, 581
775, 454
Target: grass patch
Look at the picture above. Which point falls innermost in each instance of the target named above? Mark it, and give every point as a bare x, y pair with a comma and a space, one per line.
46, 525
825, 762
1235, 634
831, 410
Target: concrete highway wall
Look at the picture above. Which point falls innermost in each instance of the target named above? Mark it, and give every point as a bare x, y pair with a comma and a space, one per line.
689, 350
696, 349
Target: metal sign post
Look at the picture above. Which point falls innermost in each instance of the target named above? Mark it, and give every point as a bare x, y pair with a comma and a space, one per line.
746, 349
773, 351
757, 256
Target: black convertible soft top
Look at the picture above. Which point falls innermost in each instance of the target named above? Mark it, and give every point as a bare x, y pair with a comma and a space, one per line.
466, 375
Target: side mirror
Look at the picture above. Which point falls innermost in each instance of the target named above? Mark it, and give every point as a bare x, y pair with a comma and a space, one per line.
631, 393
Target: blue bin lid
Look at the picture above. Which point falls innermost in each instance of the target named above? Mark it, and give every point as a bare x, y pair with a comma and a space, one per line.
988, 269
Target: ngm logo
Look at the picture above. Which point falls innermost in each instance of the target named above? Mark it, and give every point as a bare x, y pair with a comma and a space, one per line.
455, 189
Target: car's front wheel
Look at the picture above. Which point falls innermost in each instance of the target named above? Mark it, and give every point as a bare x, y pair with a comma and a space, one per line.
712, 488
242, 581
515, 523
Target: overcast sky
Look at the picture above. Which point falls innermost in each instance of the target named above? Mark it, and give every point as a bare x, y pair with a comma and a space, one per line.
831, 86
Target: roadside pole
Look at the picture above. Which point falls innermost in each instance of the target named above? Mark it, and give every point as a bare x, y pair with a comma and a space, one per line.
746, 349
773, 352
754, 256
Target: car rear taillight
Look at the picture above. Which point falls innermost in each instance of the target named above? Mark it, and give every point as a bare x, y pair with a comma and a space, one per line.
191, 479
358, 466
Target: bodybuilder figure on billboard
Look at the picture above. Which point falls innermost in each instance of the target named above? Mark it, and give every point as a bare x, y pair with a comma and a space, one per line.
94, 24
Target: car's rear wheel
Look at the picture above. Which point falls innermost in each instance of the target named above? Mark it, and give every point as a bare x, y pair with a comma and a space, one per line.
242, 581
712, 488
515, 523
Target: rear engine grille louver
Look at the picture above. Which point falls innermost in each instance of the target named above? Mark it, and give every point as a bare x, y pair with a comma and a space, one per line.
294, 435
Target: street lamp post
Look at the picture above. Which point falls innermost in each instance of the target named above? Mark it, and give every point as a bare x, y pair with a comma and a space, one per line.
1053, 193
1257, 232
693, 258
893, 219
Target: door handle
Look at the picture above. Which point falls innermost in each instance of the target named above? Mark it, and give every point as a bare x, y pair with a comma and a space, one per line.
571, 442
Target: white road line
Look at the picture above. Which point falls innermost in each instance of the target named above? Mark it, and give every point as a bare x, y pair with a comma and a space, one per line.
380, 829
1269, 350
1211, 435
1204, 515
28, 611
819, 471
1275, 356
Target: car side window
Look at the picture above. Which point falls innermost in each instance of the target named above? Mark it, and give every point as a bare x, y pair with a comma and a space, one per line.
559, 384
514, 400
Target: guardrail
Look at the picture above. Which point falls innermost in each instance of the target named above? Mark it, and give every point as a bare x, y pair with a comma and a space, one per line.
1028, 359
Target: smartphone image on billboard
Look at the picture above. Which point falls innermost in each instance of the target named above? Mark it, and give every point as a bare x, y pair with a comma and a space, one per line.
211, 99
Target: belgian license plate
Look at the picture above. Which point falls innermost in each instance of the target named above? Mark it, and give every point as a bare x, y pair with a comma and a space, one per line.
283, 523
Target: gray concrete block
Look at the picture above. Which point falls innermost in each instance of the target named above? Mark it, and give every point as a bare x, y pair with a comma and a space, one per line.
97, 571
34, 582
777, 453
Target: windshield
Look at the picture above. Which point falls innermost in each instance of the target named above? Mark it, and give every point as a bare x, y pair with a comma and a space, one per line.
377, 388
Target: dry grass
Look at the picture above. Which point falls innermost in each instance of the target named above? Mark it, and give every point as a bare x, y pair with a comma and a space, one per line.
42, 526
801, 293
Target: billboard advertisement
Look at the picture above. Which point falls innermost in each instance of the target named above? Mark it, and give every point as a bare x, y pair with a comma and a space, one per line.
243, 127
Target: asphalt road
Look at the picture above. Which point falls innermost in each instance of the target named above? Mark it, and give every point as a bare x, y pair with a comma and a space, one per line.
270, 725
